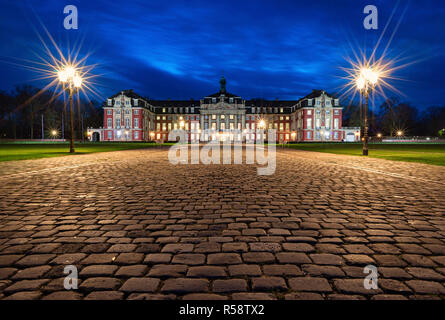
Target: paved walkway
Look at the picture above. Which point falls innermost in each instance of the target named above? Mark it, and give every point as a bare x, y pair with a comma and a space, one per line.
137, 227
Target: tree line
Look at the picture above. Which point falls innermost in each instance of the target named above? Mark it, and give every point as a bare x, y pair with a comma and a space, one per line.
394, 115
23, 110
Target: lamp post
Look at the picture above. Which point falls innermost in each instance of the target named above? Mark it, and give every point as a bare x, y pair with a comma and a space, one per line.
54, 134
71, 82
365, 83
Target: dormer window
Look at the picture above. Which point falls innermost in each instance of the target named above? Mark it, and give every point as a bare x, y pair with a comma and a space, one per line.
213, 100
110, 102
336, 103
230, 100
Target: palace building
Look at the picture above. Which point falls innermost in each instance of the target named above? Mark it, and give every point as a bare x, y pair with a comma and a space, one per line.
222, 115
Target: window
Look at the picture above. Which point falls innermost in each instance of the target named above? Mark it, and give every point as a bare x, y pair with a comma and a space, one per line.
127, 122
309, 112
136, 111
336, 135
136, 122
118, 103
281, 110
118, 112
158, 118
336, 102
223, 117
109, 112
110, 134
109, 102
317, 123
309, 102
309, 134
163, 110
136, 134
213, 116
231, 117
135, 101
230, 100
118, 123
127, 111
328, 103
309, 123
336, 122
336, 112
127, 102
109, 123
213, 100
253, 110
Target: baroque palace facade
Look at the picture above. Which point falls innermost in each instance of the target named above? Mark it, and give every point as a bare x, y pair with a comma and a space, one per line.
130, 117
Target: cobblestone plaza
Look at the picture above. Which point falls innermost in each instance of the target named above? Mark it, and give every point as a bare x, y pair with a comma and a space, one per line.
137, 227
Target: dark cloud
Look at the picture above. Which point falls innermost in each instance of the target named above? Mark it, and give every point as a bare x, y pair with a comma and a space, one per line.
271, 49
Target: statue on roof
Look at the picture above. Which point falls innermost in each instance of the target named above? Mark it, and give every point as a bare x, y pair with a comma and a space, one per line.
222, 84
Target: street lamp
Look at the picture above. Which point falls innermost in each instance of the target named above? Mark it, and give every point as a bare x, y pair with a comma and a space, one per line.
71, 82
379, 135
262, 124
365, 82
54, 133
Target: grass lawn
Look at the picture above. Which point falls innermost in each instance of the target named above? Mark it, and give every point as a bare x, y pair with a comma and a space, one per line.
428, 153
34, 150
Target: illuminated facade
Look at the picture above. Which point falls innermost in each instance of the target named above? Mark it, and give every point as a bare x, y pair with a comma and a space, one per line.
223, 115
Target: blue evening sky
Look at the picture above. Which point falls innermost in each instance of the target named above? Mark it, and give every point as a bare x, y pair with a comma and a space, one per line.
270, 49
